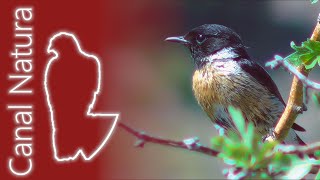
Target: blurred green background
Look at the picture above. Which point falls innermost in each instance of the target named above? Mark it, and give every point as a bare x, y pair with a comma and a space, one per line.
151, 79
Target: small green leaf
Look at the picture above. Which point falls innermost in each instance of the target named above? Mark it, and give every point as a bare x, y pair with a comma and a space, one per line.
306, 58
316, 100
310, 66
317, 153
293, 45
217, 142
294, 59
249, 136
266, 149
318, 176
306, 54
313, 1
298, 171
264, 175
238, 119
318, 60
244, 151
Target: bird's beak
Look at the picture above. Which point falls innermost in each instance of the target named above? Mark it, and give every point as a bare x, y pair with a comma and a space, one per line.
178, 39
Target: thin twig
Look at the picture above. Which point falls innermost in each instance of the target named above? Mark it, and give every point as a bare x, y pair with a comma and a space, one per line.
188, 144
146, 138
303, 78
194, 145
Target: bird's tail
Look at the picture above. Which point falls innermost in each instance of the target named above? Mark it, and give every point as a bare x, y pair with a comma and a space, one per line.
293, 139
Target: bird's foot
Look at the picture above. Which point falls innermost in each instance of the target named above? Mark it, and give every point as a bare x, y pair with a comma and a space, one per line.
304, 107
271, 136
301, 109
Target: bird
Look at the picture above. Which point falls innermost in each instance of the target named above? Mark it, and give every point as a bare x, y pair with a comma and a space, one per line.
225, 75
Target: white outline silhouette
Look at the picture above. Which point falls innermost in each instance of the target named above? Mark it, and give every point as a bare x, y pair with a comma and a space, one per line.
80, 151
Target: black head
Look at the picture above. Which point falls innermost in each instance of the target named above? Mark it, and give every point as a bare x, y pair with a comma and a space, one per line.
208, 39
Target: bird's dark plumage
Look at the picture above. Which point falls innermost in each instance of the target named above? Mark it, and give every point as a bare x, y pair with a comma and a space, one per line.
262, 76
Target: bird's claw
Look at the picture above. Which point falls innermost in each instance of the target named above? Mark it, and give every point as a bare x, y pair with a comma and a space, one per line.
270, 136
304, 107
301, 109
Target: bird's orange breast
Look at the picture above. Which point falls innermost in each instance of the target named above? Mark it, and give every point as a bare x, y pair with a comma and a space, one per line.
216, 88
205, 87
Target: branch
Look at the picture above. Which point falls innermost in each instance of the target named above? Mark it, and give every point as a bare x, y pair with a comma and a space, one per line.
295, 102
191, 144
194, 145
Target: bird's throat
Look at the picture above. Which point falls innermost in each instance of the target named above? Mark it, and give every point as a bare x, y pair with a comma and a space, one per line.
225, 53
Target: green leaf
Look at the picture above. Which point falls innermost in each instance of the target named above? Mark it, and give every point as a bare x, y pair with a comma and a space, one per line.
238, 119
310, 66
244, 151
318, 60
264, 175
266, 149
313, 1
298, 171
299, 49
248, 137
307, 58
294, 59
217, 142
317, 153
318, 176
306, 54
316, 98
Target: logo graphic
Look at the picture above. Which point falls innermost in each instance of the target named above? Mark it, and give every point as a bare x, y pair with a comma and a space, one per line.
90, 115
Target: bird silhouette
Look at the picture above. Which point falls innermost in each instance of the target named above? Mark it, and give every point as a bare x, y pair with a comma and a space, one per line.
72, 83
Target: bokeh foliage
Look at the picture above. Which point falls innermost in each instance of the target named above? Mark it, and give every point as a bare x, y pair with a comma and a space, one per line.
307, 54
250, 158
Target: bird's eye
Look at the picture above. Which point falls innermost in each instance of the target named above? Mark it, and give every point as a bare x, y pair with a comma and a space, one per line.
200, 38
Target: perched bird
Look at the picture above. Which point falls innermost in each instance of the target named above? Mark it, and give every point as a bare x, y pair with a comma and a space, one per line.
226, 76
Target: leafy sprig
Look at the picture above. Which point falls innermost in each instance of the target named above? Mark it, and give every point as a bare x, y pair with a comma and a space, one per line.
248, 157
307, 54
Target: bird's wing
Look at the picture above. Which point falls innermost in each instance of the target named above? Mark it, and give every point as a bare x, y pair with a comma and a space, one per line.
262, 76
